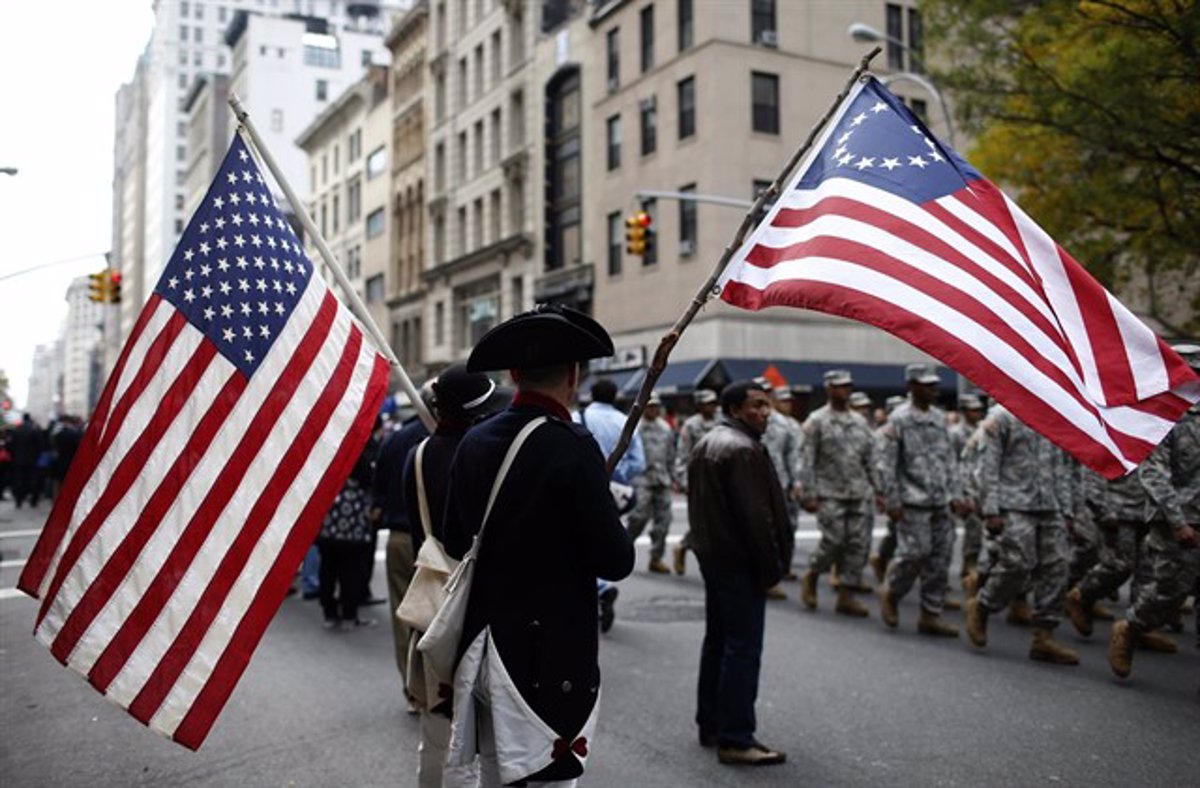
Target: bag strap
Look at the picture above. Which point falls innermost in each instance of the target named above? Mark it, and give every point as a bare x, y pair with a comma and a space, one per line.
525, 432
422, 500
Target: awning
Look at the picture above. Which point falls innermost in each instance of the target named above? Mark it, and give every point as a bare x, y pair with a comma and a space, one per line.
680, 377
620, 377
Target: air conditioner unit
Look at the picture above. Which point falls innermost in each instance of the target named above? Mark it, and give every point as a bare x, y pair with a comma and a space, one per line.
687, 248
768, 38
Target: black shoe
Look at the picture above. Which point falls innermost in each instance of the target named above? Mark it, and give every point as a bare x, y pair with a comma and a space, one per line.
754, 755
608, 598
708, 740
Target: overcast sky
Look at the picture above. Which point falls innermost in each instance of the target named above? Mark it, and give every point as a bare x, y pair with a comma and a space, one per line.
61, 64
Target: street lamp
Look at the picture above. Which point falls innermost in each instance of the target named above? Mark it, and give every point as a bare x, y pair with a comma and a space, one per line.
8, 170
864, 33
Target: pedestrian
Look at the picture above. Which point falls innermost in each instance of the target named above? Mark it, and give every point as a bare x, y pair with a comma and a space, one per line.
654, 485
919, 475
26, 444
1026, 500
837, 475
460, 398
552, 532
399, 552
1171, 478
742, 536
694, 428
345, 543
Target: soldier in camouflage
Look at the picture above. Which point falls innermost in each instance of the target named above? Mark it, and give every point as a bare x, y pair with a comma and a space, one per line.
971, 409
782, 441
861, 404
694, 428
887, 545
837, 474
1088, 544
654, 486
1171, 478
1027, 500
919, 473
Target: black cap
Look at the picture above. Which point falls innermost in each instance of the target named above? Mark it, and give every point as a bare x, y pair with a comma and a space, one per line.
549, 334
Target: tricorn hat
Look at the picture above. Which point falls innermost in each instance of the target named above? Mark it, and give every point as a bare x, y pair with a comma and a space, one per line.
548, 334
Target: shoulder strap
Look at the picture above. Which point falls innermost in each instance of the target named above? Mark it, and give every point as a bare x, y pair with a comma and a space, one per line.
525, 432
422, 500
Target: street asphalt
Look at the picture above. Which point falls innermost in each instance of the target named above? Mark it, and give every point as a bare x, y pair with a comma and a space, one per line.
852, 703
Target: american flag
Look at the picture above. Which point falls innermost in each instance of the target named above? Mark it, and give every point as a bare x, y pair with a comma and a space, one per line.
236, 410
885, 224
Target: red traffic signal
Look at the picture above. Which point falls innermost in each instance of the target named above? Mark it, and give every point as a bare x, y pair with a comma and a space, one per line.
636, 233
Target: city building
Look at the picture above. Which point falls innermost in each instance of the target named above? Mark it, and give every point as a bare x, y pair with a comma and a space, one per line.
702, 99
83, 348
129, 199
45, 383
207, 116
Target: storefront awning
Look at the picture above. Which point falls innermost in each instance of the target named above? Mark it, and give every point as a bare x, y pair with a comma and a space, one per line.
680, 377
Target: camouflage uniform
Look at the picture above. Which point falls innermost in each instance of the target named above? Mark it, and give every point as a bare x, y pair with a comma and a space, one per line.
1027, 480
654, 486
694, 428
971, 524
838, 469
1119, 508
1171, 478
782, 440
970, 460
919, 474
1087, 541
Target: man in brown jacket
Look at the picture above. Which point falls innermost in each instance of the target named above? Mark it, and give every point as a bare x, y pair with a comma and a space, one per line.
742, 536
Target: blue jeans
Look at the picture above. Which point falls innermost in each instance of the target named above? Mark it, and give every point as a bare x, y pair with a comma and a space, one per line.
734, 613
310, 571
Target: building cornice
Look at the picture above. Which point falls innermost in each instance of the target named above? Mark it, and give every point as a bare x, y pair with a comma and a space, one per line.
513, 243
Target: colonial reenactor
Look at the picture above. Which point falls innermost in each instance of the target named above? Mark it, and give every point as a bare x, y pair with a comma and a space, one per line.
552, 532
838, 476
1026, 498
1171, 478
694, 428
654, 485
920, 480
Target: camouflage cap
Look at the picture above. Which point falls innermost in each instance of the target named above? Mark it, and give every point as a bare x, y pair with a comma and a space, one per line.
704, 396
859, 399
894, 402
654, 399
970, 402
838, 377
783, 393
921, 373
1189, 353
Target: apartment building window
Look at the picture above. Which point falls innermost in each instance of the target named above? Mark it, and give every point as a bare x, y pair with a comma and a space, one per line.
497, 69
563, 209
375, 289
762, 22
375, 223
516, 207
920, 108
439, 246
183, 58
439, 97
462, 83
337, 212
478, 148
198, 35
324, 219
516, 121
183, 81
323, 55
440, 26
686, 90
199, 11
322, 90
616, 239
376, 162
337, 158
478, 71
651, 256
439, 323
354, 200
180, 153
462, 17
649, 113
461, 231
687, 222
764, 91
516, 40
461, 158
183, 32
324, 168
222, 13
684, 24
477, 224
916, 41
354, 145
365, 58
895, 33
198, 59
439, 168
478, 311
647, 30
613, 44
613, 126
495, 132
494, 215
183, 8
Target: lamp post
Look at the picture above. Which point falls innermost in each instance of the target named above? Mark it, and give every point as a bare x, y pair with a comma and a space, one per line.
864, 33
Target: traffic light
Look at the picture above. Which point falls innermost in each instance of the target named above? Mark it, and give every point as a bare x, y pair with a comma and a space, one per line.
114, 286
98, 289
637, 234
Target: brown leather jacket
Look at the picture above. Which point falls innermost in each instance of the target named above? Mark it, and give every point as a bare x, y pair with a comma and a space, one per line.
736, 510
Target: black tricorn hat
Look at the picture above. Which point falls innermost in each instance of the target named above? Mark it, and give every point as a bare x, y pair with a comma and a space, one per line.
548, 334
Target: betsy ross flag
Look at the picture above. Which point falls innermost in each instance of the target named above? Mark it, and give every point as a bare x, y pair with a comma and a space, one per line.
884, 224
236, 410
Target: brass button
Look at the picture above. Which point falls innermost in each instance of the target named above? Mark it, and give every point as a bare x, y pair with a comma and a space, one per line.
566, 686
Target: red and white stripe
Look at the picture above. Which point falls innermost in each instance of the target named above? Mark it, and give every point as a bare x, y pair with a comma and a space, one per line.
195, 495
973, 281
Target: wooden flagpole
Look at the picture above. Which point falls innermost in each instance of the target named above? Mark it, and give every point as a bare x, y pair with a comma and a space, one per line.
356, 305
707, 290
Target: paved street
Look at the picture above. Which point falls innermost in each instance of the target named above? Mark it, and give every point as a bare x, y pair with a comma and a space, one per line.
851, 702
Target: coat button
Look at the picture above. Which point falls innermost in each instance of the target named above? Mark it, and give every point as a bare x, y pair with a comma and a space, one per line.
566, 686
535, 624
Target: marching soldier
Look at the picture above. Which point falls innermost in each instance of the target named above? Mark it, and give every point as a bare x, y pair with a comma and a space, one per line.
971, 408
1171, 478
782, 441
694, 428
837, 475
654, 486
887, 545
1026, 498
860, 403
920, 484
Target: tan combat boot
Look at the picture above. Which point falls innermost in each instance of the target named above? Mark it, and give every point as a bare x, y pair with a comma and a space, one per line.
1045, 648
1079, 611
970, 584
1157, 641
1101, 613
1019, 613
847, 605
977, 618
887, 607
776, 592
835, 578
878, 566
679, 554
808, 589
1120, 649
950, 603
932, 624
658, 567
